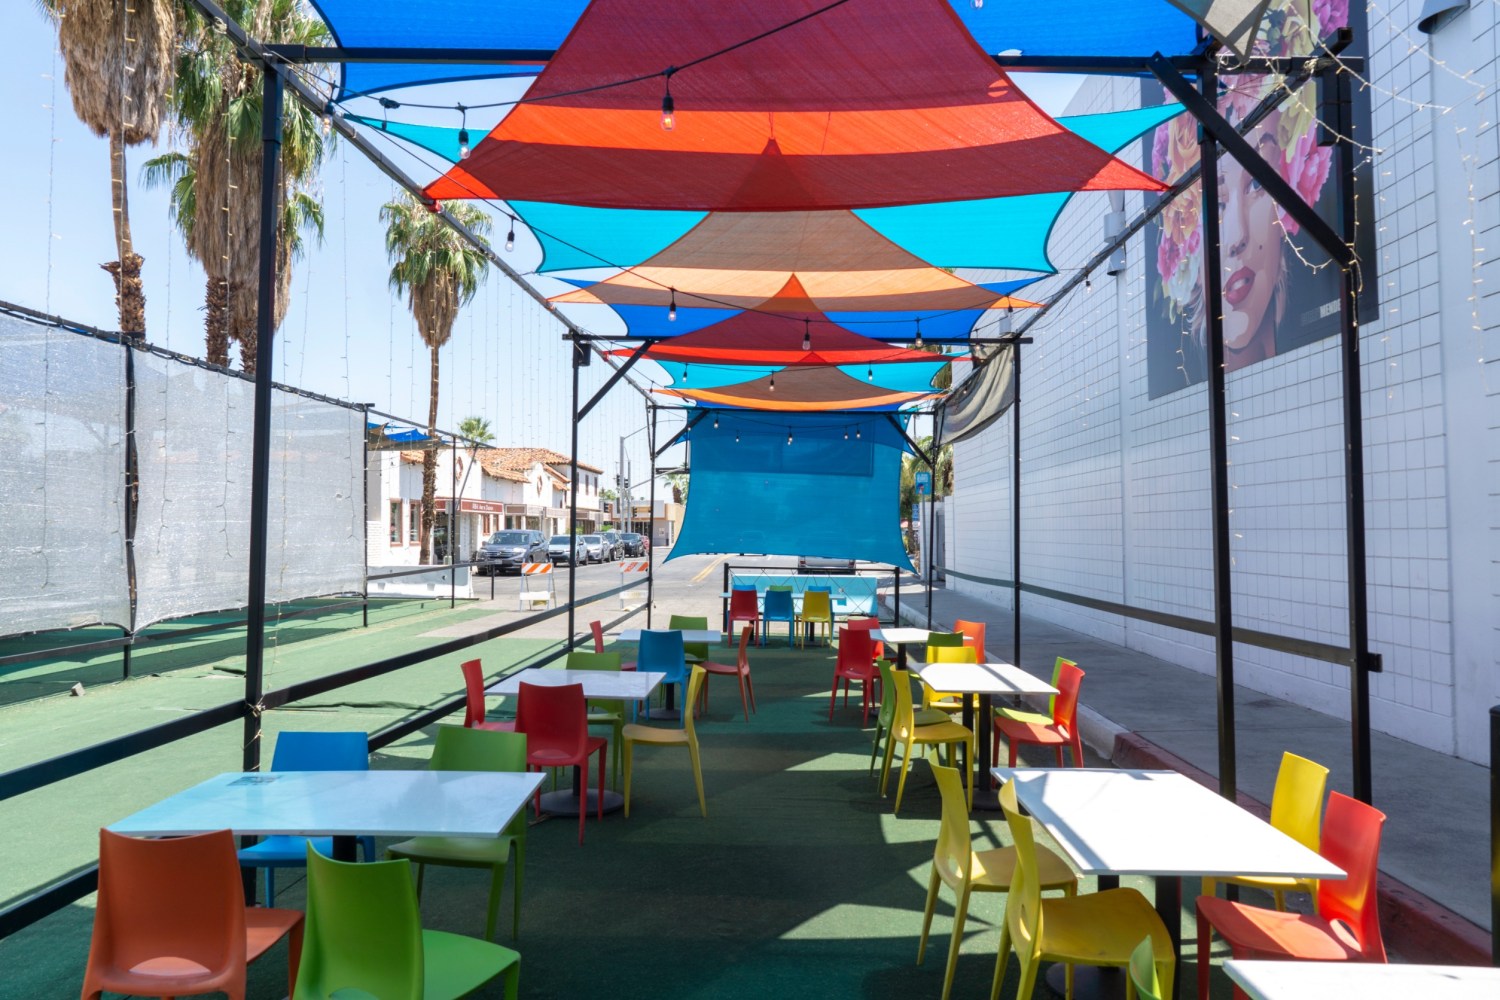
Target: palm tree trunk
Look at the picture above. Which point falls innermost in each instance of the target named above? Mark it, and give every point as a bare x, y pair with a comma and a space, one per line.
216, 321
429, 466
129, 292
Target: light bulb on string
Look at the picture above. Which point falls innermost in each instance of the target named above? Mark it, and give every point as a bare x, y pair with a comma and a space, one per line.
668, 106
919, 334
510, 237
672, 309
806, 335
463, 132
328, 118
736, 437
846, 433
773, 382
869, 373
716, 421
788, 437
857, 434
978, 4
1088, 284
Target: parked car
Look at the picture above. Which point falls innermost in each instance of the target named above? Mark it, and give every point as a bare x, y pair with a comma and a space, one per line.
506, 551
613, 547
595, 549
819, 564
632, 544
562, 548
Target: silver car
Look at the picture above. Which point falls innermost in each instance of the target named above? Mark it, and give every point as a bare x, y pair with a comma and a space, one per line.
594, 548
564, 549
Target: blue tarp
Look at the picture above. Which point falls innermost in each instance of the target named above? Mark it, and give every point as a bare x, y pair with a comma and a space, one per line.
821, 495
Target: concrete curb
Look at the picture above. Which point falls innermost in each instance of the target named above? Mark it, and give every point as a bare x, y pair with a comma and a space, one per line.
1414, 926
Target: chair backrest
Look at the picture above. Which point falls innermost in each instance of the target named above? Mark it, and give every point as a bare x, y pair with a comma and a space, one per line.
1023, 904
597, 627
940, 640
904, 719
1057, 666
953, 654
973, 633
887, 697
744, 658
580, 660
553, 717
1351, 840
854, 653
1297, 802
363, 931
779, 604
953, 854
663, 652
1143, 971
743, 604
695, 684
460, 749
473, 692
1065, 705
308, 751
697, 649
869, 624
179, 897
817, 605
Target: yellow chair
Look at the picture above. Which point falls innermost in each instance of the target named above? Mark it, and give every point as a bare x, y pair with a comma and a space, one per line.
687, 736
965, 870
1026, 715
905, 729
922, 717
1143, 972
947, 701
1100, 928
603, 711
1297, 811
817, 609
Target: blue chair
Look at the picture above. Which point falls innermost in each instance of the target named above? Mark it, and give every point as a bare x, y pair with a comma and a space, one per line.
299, 751
778, 608
662, 652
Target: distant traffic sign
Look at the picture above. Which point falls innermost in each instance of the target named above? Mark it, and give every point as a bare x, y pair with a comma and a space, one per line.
923, 483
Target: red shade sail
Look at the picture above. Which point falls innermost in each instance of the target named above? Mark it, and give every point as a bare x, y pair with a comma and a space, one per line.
869, 103
801, 390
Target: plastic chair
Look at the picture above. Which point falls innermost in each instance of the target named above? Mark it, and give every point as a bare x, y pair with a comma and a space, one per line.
1297, 811
869, 624
921, 716
474, 710
744, 606
778, 608
1142, 971
817, 610
686, 736
663, 652
555, 722
1016, 714
171, 919
603, 711
1060, 732
364, 934
937, 641
696, 652
740, 670
854, 664
1346, 924
965, 870
904, 728
598, 629
475, 750
973, 633
303, 751
1100, 928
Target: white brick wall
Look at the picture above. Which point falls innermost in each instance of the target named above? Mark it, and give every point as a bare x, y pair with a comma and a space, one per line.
1115, 485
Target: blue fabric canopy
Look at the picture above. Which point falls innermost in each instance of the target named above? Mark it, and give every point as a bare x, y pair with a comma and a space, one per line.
833, 491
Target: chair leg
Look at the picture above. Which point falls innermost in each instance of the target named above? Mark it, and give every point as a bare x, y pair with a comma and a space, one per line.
513, 981
1013, 752
1077, 749
744, 704
629, 746
583, 796
750, 686
600, 814
698, 778
497, 889
515, 882
833, 697
960, 913
901, 784
1002, 959
875, 744
1060, 762
1205, 941
932, 894
969, 770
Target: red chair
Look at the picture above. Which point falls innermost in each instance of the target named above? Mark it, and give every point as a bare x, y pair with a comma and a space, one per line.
877, 651
743, 607
1060, 732
474, 704
555, 721
598, 629
855, 662
739, 669
1346, 924
171, 919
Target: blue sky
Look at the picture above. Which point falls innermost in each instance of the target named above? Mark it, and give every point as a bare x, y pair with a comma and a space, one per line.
345, 334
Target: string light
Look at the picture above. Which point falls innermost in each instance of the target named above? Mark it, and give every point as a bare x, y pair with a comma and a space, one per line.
672, 309
773, 381
857, 434
716, 421
846, 433
328, 118
978, 4
788, 437
919, 332
869, 374
806, 335
463, 133
736, 437
1088, 284
668, 106
510, 237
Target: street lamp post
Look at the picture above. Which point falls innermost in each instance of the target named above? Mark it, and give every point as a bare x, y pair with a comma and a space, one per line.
624, 482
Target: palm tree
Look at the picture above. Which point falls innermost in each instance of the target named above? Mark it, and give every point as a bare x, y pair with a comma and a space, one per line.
942, 479
476, 429
439, 271
118, 68
215, 181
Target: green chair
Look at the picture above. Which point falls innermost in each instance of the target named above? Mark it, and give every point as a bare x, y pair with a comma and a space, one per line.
1036, 718
459, 749
603, 711
696, 652
924, 716
364, 934
1143, 971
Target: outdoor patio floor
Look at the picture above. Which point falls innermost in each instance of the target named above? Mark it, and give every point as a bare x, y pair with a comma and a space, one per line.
799, 883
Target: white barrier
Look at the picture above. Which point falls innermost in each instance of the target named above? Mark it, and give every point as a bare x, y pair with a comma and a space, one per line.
536, 586
633, 571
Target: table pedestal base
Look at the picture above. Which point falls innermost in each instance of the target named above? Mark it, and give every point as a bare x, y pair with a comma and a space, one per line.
565, 802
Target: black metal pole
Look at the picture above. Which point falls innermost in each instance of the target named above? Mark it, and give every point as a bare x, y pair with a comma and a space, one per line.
1218, 440
931, 552
453, 506
1360, 664
1015, 505
651, 521
1495, 834
578, 349
260, 449
365, 464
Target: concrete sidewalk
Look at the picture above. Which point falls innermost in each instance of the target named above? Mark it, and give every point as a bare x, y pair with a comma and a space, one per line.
1140, 711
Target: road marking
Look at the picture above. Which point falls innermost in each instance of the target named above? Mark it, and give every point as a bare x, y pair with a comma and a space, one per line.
703, 575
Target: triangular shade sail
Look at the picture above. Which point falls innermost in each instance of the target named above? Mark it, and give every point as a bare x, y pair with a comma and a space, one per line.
880, 102
803, 484
801, 390
755, 338
1233, 22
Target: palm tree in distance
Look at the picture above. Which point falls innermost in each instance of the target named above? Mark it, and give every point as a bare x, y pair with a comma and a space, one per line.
942, 481
118, 68
439, 271
477, 430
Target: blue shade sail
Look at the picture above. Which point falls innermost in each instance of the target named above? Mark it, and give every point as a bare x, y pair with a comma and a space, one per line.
1113, 130
904, 376
821, 495
433, 138
575, 237
1079, 27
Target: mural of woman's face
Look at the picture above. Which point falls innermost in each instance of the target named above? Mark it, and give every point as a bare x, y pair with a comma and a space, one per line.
1250, 237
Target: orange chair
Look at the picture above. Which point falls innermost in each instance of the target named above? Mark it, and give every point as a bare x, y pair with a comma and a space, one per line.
598, 629
744, 607
555, 721
1060, 732
474, 705
740, 670
1346, 924
854, 663
171, 919
973, 633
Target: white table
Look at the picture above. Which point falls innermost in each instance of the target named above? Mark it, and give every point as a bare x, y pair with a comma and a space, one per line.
341, 804
1160, 823
900, 638
1366, 980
